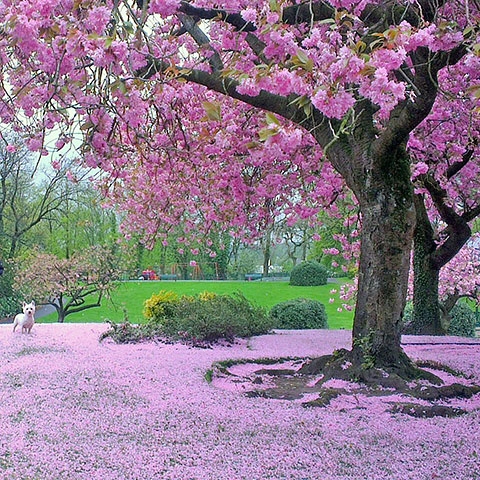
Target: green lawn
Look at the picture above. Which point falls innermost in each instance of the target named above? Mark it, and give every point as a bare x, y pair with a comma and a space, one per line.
131, 296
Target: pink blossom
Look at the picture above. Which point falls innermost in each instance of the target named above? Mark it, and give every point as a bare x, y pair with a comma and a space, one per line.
248, 87
163, 7
35, 144
333, 105
331, 251
91, 404
249, 15
98, 18
420, 169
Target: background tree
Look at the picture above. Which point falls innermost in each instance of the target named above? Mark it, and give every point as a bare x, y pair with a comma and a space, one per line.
337, 245
446, 173
80, 222
28, 195
70, 285
359, 78
297, 239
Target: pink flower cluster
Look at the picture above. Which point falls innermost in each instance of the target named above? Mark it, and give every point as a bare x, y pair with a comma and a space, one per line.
171, 150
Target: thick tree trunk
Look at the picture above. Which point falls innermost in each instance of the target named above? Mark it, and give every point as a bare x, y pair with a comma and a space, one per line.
388, 220
61, 314
426, 318
430, 317
383, 278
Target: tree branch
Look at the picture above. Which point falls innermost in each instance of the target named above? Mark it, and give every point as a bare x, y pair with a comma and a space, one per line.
457, 166
283, 106
458, 229
408, 114
307, 12
234, 19
202, 39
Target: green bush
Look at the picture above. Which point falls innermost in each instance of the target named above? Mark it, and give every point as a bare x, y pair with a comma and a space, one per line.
217, 317
197, 320
10, 300
463, 321
160, 305
308, 274
300, 313
9, 306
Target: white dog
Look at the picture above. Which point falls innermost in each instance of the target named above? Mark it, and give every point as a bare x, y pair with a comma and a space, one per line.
25, 319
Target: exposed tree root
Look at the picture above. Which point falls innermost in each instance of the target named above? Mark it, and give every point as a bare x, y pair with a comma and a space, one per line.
307, 380
430, 411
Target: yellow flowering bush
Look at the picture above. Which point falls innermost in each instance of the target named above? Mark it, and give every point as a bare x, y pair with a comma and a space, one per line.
207, 296
160, 305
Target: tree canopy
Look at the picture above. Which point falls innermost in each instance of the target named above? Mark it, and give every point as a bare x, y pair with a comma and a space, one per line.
169, 99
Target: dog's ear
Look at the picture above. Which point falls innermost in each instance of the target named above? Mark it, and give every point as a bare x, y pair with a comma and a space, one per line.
33, 302
24, 304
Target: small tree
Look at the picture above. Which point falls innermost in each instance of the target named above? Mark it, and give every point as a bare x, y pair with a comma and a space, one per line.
70, 285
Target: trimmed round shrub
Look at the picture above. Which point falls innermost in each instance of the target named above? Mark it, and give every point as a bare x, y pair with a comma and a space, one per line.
309, 274
300, 313
463, 321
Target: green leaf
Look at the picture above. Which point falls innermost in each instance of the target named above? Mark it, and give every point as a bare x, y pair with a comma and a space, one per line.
109, 41
87, 126
272, 119
213, 111
128, 26
266, 133
302, 60
302, 56
274, 6
474, 90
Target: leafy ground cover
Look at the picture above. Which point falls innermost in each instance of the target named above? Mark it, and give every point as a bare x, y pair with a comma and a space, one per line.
74, 408
130, 296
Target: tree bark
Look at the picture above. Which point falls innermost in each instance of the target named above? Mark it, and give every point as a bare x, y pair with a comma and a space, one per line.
267, 243
430, 317
426, 317
388, 220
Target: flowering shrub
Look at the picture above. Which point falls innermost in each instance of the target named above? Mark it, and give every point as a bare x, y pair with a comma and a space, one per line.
210, 317
299, 313
207, 296
308, 274
160, 305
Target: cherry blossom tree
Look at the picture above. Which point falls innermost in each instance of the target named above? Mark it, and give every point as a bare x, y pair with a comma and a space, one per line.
166, 96
70, 285
458, 278
445, 148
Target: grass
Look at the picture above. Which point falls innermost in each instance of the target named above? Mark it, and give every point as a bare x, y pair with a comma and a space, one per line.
130, 296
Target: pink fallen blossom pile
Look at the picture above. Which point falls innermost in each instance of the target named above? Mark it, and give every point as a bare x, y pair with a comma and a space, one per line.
74, 408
